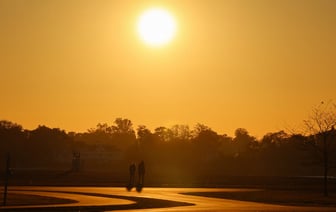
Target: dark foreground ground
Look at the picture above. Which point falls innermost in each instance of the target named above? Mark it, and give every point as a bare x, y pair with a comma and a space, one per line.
280, 190
271, 196
20, 200
14, 199
276, 196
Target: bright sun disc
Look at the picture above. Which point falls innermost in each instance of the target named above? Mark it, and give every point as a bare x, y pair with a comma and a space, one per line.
156, 27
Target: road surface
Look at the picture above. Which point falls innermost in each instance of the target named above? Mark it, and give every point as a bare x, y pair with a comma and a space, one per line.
150, 199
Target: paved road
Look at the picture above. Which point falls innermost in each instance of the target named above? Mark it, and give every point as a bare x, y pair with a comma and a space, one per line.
119, 199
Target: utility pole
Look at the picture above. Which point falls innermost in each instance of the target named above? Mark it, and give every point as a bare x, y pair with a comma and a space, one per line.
7, 173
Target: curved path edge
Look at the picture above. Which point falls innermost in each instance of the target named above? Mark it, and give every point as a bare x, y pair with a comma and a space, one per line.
120, 202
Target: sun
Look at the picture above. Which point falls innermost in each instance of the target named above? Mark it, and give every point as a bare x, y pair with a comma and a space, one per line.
156, 27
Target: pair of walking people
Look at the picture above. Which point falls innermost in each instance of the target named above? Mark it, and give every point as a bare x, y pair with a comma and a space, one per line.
141, 176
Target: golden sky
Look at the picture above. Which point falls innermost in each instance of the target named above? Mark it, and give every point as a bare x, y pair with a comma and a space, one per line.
261, 65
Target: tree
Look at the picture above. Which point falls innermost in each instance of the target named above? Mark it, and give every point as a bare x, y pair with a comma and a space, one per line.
143, 132
46, 143
10, 133
206, 143
271, 140
244, 141
12, 138
162, 134
123, 133
320, 126
206, 139
179, 133
124, 126
145, 137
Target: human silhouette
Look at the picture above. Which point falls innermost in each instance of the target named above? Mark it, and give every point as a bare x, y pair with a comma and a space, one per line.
141, 172
132, 169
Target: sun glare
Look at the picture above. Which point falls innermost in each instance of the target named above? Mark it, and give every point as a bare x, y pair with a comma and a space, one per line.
156, 27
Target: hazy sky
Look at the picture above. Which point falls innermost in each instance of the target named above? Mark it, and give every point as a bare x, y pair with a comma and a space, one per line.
257, 64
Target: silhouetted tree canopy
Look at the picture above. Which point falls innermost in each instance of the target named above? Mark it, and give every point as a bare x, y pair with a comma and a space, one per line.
320, 127
178, 152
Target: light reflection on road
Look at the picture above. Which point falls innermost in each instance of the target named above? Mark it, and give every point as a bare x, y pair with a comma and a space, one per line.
172, 194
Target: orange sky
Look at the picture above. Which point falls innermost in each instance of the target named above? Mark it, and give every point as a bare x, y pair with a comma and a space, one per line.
261, 65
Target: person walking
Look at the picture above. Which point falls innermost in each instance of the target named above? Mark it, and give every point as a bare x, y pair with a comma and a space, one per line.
132, 169
141, 177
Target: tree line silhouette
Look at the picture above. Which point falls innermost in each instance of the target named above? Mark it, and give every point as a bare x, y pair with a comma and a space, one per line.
175, 148
178, 152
